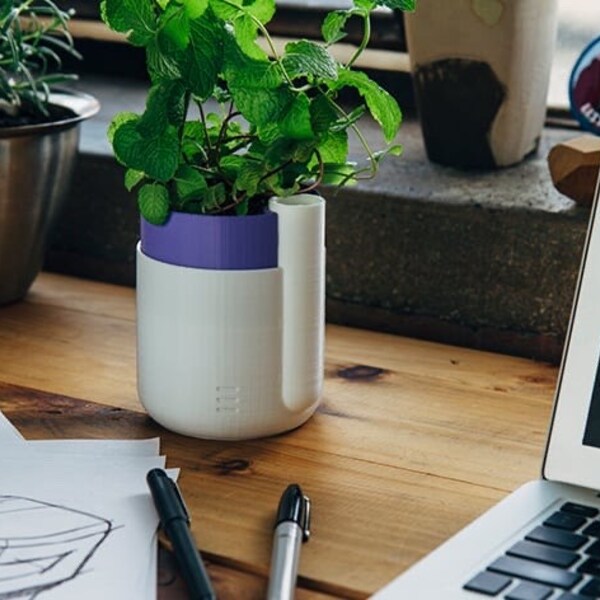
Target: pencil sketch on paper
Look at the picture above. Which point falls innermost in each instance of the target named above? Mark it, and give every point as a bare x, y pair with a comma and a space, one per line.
44, 545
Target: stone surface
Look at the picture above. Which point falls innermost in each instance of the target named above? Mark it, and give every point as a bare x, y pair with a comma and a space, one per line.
487, 259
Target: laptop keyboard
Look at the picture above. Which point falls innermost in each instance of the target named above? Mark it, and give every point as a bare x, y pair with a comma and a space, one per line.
557, 560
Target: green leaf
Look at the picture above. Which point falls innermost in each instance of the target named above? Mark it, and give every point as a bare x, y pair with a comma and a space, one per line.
204, 55
118, 120
174, 29
132, 178
322, 114
214, 197
296, 123
263, 10
164, 107
189, 183
407, 5
333, 26
194, 8
383, 107
153, 201
368, 5
243, 71
157, 156
161, 65
261, 106
246, 34
308, 59
134, 17
333, 147
249, 177
192, 144
338, 173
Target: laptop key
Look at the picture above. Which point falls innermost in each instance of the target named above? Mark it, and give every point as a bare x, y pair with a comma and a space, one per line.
593, 529
487, 583
591, 588
594, 549
532, 571
580, 509
565, 520
544, 554
530, 591
590, 567
556, 537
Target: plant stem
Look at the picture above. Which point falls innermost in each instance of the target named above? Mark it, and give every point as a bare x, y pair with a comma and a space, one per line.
359, 135
365, 41
319, 179
207, 137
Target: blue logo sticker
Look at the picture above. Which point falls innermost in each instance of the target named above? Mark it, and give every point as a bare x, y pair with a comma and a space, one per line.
584, 88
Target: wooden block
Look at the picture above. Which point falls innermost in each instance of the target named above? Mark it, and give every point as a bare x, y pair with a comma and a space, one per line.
574, 168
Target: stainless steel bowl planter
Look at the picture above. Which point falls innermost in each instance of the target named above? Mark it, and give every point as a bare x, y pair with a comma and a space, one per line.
36, 163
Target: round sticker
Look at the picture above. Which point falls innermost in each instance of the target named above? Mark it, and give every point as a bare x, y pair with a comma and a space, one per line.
584, 88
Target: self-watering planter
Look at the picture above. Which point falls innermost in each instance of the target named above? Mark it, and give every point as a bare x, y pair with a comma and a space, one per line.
230, 316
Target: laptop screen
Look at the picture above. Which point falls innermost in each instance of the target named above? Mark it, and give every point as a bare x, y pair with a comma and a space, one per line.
573, 451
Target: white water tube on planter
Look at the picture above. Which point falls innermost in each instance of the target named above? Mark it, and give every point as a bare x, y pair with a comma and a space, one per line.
233, 351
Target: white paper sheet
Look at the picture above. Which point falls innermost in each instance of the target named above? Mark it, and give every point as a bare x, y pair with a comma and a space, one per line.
149, 447
88, 521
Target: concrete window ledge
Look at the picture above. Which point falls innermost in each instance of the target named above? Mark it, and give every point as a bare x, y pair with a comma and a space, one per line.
487, 260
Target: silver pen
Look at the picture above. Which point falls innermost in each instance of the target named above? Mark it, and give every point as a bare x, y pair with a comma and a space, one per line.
292, 528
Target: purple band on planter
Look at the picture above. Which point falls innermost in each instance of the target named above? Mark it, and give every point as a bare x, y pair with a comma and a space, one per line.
213, 242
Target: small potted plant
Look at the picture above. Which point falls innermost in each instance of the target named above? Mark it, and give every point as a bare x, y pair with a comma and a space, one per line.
225, 160
481, 70
39, 135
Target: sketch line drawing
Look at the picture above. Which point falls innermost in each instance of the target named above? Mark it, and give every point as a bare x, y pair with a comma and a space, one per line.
44, 545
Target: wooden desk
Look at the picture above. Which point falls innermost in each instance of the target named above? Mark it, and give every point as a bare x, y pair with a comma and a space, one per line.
413, 439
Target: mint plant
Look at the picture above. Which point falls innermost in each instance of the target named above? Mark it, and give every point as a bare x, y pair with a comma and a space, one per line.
33, 34
275, 125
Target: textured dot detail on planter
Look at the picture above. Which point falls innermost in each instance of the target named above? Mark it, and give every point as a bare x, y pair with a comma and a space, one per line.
489, 11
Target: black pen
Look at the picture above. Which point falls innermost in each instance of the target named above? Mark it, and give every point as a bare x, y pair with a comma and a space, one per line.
175, 521
292, 527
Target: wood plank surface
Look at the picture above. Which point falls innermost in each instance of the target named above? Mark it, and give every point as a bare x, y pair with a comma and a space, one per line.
413, 439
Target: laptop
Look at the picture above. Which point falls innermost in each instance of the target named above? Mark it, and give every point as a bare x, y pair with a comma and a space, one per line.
543, 541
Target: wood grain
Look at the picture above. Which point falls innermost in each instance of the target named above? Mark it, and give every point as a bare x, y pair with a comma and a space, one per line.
413, 439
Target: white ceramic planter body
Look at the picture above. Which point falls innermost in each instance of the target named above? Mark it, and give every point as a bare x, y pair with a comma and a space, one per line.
473, 116
236, 354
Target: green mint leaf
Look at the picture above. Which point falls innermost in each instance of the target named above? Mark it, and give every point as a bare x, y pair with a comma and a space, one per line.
333, 147
204, 55
261, 107
367, 5
383, 107
153, 202
157, 155
333, 26
193, 142
161, 65
118, 120
322, 114
296, 122
241, 208
249, 177
243, 71
132, 178
190, 184
214, 197
246, 34
263, 10
194, 8
163, 3
134, 17
339, 173
407, 5
164, 107
174, 26
308, 59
